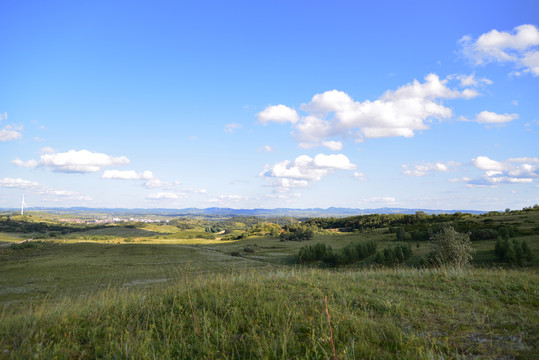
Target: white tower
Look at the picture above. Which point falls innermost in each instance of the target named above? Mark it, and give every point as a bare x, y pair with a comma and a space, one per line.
22, 205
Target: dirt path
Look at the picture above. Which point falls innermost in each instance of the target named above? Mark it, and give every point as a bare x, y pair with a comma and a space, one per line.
6, 245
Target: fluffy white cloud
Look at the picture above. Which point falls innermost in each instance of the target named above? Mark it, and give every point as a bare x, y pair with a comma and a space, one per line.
278, 114
26, 164
511, 171
518, 47
425, 168
9, 133
401, 112
37, 188
332, 145
73, 161
303, 169
488, 117
485, 163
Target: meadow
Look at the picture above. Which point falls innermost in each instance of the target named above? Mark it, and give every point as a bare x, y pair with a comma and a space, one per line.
159, 291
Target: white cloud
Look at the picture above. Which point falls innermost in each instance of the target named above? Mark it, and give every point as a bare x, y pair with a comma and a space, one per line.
127, 175
9, 133
3, 116
425, 168
401, 112
332, 145
484, 163
379, 200
471, 80
37, 188
228, 198
359, 176
266, 148
26, 164
194, 190
82, 161
518, 47
511, 171
150, 180
230, 128
47, 150
278, 114
166, 196
488, 117
282, 185
303, 169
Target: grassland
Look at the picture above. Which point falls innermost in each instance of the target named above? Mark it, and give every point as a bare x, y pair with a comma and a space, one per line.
158, 291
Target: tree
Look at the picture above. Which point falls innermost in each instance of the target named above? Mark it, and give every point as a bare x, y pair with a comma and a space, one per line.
450, 247
401, 234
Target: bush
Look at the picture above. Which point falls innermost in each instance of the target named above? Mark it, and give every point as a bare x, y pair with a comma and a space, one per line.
484, 234
394, 255
299, 233
450, 247
512, 251
323, 253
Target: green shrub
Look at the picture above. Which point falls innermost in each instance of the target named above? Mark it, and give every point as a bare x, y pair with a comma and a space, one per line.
394, 255
323, 253
450, 247
513, 252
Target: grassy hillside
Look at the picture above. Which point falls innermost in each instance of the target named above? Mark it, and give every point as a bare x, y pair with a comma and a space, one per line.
282, 314
162, 291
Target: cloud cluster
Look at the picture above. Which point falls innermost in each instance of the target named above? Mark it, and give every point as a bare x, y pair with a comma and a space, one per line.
37, 188
519, 47
73, 161
402, 112
304, 169
511, 171
8, 133
425, 168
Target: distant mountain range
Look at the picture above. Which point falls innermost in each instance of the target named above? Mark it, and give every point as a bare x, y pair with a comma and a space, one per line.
215, 211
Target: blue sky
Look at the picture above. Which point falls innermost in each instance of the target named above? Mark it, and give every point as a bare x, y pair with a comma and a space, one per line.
251, 104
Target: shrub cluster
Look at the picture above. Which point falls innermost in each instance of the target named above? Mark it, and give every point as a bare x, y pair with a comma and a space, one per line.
29, 245
297, 233
324, 254
513, 251
394, 255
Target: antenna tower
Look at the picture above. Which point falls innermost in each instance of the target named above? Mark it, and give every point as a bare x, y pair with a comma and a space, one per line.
23, 204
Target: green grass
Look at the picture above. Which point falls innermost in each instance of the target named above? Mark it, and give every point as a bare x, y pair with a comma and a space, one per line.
160, 292
281, 314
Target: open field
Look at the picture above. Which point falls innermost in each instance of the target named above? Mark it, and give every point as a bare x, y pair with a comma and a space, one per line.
157, 290
281, 313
